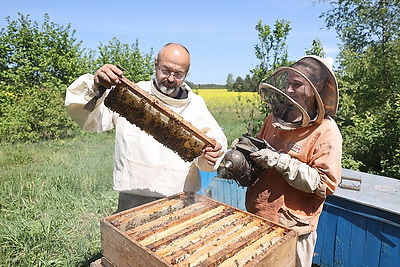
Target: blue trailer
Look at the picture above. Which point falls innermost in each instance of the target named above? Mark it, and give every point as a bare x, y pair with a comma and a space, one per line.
360, 223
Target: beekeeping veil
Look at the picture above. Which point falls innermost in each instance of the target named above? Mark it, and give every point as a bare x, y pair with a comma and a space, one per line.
301, 94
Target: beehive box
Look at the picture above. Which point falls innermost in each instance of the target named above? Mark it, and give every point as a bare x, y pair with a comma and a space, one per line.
193, 230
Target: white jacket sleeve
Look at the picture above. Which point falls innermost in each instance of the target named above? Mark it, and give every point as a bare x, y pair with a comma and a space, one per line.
78, 94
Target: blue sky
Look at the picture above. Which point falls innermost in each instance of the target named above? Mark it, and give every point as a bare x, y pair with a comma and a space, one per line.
220, 34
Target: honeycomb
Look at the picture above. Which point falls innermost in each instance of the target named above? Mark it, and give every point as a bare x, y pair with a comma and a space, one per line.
156, 119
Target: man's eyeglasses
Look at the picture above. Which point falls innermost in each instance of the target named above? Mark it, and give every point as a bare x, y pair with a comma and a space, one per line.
177, 74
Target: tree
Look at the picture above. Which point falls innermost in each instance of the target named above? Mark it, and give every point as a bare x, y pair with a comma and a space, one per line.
35, 56
272, 49
238, 84
229, 82
316, 48
37, 62
369, 31
272, 52
363, 24
250, 83
369, 71
138, 65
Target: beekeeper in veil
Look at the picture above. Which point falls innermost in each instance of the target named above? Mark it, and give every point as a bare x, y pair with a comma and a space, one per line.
301, 164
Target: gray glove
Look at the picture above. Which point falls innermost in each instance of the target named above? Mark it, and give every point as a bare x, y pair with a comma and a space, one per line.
298, 174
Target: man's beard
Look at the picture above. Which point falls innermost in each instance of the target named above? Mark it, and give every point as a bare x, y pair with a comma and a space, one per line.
166, 90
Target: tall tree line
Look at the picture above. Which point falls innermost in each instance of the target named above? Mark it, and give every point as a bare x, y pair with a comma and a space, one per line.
369, 75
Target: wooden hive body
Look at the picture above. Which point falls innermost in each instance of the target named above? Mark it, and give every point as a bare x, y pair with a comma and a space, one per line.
193, 230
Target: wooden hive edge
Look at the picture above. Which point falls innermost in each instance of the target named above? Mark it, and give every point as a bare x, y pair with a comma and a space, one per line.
282, 252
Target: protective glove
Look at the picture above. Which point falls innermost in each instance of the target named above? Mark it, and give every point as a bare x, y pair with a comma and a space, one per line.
298, 174
234, 143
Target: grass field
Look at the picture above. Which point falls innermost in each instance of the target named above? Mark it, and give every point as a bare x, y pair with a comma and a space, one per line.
53, 194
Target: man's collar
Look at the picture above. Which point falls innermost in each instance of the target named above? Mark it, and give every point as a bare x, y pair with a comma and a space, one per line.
182, 94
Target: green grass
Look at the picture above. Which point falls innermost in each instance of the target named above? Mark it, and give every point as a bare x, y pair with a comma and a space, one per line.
232, 125
53, 195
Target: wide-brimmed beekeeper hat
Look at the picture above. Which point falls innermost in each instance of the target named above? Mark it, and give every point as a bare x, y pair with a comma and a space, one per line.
318, 74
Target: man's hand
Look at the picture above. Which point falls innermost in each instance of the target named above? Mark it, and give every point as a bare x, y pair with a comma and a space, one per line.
211, 154
107, 76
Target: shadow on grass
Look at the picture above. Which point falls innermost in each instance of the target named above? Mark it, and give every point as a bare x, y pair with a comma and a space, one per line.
92, 258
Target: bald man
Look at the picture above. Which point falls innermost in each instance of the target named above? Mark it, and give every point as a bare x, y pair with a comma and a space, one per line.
145, 170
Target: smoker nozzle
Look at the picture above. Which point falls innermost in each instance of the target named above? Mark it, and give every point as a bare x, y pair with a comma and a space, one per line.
228, 164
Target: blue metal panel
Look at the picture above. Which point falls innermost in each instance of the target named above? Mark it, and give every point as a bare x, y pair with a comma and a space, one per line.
241, 197
357, 239
372, 244
390, 251
342, 242
223, 192
218, 191
206, 179
227, 192
370, 236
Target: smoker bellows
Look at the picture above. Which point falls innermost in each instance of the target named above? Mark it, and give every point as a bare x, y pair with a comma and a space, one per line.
153, 117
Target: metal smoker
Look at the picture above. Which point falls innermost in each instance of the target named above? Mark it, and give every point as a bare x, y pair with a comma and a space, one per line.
237, 165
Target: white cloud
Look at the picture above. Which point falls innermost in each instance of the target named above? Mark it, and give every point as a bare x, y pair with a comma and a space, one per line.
331, 49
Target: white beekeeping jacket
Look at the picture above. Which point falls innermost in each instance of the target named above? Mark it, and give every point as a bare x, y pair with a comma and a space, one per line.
141, 164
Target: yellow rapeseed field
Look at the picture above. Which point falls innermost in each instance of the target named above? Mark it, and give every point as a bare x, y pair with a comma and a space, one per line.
234, 111
222, 100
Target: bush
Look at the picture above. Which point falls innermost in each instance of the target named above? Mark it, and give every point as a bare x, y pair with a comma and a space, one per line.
37, 115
